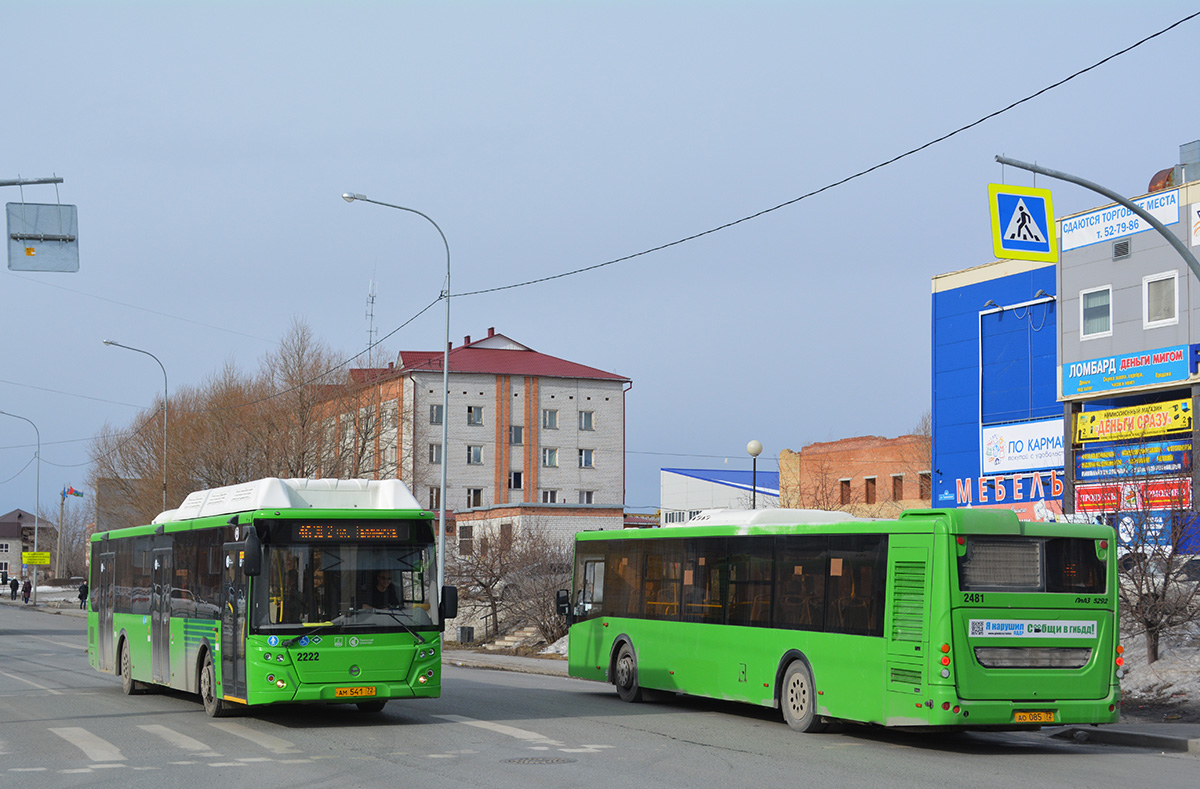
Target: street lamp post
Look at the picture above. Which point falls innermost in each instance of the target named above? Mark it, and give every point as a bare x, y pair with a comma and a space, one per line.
350, 197
755, 449
37, 498
164, 372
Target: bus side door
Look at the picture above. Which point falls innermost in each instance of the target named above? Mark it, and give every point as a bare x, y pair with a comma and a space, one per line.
104, 598
233, 622
160, 617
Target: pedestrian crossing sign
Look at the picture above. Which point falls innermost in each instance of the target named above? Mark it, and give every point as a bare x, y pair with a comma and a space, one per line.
1023, 223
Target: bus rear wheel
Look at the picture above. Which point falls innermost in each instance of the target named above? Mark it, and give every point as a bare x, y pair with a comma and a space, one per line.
213, 706
798, 699
626, 678
371, 706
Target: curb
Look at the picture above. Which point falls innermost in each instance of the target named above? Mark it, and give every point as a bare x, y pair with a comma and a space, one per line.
519, 669
1136, 739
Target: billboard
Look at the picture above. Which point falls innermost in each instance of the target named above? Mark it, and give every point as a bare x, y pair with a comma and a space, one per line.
1025, 446
1112, 373
1116, 424
1140, 459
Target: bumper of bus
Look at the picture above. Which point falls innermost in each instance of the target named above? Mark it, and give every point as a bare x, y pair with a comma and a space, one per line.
1008, 714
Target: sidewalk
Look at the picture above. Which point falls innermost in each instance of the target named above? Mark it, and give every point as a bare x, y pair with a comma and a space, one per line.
467, 658
48, 604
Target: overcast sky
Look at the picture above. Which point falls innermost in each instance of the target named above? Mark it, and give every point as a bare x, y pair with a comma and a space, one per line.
207, 146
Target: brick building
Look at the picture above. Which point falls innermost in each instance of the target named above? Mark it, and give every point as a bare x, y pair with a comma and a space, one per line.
868, 476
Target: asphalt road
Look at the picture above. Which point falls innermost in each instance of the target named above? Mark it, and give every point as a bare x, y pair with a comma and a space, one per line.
62, 724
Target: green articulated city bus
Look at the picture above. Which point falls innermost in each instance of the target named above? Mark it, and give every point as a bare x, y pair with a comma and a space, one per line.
275, 591
942, 618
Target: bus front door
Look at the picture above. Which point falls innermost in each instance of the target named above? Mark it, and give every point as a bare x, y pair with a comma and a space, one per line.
160, 617
103, 603
233, 623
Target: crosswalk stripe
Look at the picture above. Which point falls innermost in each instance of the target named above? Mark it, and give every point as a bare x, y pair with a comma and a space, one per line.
190, 744
271, 743
93, 747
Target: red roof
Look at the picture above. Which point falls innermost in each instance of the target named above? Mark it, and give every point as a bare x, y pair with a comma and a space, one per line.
501, 361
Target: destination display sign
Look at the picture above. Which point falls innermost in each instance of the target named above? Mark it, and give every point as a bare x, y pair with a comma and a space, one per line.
364, 531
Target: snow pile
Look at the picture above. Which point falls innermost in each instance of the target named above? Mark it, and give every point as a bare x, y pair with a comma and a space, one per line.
559, 647
1174, 677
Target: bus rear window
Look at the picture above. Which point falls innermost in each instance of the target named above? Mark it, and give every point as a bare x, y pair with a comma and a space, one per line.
1031, 564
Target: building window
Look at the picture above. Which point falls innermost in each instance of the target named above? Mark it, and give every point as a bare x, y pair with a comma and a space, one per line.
587, 497
474, 415
926, 480
466, 543
474, 497
506, 536
435, 454
869, 490
435, 414
586, 419
549, 496
435, 497
550, 419
516, 480
516, 435
549, 457
844, 485
587, 458
1095, 313
897, 487
1160, 302
474, 456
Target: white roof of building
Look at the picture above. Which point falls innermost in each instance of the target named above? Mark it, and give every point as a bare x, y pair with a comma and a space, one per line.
274, 493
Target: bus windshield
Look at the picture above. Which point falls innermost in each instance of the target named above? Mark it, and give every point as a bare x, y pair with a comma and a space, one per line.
352, 585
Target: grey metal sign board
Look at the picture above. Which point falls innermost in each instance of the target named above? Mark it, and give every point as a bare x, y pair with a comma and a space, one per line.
43, 237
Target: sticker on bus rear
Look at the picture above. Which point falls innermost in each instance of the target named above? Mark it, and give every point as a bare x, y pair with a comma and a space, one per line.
1032, 628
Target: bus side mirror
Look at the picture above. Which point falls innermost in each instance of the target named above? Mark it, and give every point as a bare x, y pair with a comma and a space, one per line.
562, 602
252, 563
448, 608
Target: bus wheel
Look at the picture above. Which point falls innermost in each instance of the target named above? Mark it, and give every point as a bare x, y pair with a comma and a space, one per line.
371, 706
215, 707
626, 675
129, 685
799, 699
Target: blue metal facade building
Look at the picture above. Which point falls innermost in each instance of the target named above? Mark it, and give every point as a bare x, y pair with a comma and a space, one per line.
994, 344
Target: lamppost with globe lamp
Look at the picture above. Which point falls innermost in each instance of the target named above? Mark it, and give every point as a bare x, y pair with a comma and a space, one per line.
755, 449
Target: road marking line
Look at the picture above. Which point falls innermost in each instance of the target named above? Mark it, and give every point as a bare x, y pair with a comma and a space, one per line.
60, 643
93, 747
180, 740
500, 728
31, 682
273, 744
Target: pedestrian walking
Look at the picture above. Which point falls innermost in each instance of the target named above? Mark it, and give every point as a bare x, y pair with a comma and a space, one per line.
83, 595
14, 584
26, 589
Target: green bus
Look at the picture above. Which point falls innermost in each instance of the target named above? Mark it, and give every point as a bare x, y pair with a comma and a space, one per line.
274, 591
942, 618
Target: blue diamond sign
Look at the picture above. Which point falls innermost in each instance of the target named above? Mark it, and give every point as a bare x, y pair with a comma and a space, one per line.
1023, 223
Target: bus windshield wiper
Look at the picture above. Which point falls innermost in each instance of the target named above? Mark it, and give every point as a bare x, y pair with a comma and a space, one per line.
390, 613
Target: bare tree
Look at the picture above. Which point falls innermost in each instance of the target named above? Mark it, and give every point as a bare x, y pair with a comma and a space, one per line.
70, 536
543, 566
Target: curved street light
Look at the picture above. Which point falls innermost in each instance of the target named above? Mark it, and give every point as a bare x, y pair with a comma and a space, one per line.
164, 372
350, 197
37, 498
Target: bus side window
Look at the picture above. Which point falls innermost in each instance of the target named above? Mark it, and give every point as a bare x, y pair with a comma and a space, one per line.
591, 596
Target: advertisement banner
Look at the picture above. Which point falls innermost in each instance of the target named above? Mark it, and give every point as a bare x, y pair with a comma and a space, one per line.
1142, 459
1117, 424
1137, 496
1022, 447
1111, 373
1115, 221
1036, 628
